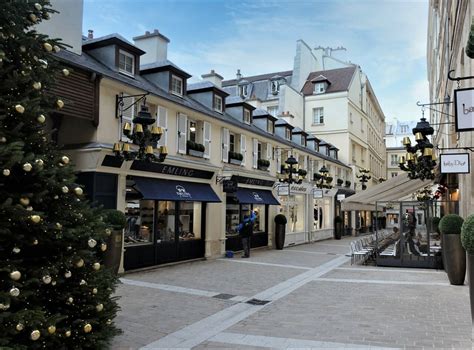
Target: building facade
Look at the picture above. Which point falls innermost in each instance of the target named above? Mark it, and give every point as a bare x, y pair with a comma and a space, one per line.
394, 134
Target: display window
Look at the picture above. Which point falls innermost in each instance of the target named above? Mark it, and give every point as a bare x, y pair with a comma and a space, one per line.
235, 213
140, 220
294, 206
189, 220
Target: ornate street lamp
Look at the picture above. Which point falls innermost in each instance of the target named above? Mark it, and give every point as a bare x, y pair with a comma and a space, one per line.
364, 177
420, 159
424, 194
144, 134
323, 179
291, 173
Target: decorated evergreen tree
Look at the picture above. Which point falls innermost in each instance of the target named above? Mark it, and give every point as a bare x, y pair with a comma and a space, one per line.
54, 291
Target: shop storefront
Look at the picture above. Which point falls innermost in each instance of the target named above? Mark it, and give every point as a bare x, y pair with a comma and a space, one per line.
241, 202
166, 221
323, 213
346, 216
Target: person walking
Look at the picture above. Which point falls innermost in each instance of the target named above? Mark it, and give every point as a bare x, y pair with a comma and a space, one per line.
245, 230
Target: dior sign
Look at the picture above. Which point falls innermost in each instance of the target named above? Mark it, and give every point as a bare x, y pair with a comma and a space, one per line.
464, 109
454, 163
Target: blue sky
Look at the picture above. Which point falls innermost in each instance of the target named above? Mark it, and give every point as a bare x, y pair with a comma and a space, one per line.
386, 38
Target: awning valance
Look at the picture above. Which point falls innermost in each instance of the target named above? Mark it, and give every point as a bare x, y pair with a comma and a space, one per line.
393, 189
170, 190
253, 196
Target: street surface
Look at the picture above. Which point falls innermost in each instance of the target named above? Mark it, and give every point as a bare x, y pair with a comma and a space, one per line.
307, 296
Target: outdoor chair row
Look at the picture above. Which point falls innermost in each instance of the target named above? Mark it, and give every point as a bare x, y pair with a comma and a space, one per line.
363, 249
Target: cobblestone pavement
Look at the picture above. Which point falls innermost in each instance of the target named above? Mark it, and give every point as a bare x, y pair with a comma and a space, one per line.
307, 296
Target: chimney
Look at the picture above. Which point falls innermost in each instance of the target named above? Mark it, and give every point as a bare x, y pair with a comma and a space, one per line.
154, 44
238, 75
90, 34
214, 78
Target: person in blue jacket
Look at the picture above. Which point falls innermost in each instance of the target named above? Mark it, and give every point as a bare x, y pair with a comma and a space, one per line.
245, 229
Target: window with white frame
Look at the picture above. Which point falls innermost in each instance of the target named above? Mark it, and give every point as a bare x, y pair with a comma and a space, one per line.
319, 88
270, 126
394, 159
247, 116
318, 115
232, 145
275, 87
126, 62
272, 110
243, 90
394, 174
192, 126
176, 85
218, 103
259, 150
287, 134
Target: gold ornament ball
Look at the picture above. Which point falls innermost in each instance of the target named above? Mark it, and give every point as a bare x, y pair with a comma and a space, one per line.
3, 139
57, 48
41, 119
91, 242
60, 103
22, 48
19, 327
65, 72
35, 334
103, 247
20, 109
96, 266
4, 307
47, 279
44, 63
47, 15
109, 322
78, 191
99, 307
87, 328
33, 18
48, 47
108, 231
16, 250
80, 263
38, 7
65, 159
53, 283
51, 329
58, 226
29, 208
27, 167
70, 300
6, 172
65, 189
37, 85
39, 162
67, 274
14, 292
67, 334
24, 201
94, 291
35, 218
15, 275
35, 242
82, 283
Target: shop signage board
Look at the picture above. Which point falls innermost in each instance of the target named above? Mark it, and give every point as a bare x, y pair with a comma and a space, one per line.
229, 186
252, 181
340, 197
464, 109
317, 193
171, 170
294, 189
454, 163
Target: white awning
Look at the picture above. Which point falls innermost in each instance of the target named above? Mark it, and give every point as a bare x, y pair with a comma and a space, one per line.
391, 190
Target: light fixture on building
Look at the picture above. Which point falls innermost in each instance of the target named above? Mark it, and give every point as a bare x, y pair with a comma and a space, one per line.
290, 171
364, 177
420, 159
144, 134
323, 179
423, 194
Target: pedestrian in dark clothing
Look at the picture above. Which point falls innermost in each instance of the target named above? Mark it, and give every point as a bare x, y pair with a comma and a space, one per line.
245, 230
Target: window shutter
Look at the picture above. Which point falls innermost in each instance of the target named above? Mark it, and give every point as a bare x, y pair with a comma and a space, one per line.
243, 148
182, 127
207, 140
269, 151
127, 117
162, 121
305, 163
225, 144
255, 154
278, 160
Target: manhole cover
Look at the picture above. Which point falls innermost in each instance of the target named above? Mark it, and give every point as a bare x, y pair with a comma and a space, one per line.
224, 296
257, 302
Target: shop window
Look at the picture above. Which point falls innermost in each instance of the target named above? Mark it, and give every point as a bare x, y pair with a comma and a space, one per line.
235, 213
189, 221
139, 228
165, 222
259, 225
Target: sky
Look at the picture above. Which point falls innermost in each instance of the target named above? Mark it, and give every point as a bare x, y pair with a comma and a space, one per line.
386, 38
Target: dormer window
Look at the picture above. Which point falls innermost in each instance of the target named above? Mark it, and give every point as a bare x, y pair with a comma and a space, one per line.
270, 126
176, 85
288, 134
218, 103
247, 116
275, 86
303, 140
126, 63
244, 90
320, 88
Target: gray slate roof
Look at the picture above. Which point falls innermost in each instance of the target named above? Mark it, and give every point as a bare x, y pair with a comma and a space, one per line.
286, 74
161, 64
110, 38
340, 80
204, 85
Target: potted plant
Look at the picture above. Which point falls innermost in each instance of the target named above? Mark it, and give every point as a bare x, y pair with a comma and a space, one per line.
338, 227
467, 240
280, 225
340, 182
455, 263
348, 183
115, 221
195, 149
302, 172
263, 164
235, 158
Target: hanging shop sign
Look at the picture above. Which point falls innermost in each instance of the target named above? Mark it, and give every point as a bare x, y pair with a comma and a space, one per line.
229, 186
340, 197
454, 163
283, 189
464, 109
317, 193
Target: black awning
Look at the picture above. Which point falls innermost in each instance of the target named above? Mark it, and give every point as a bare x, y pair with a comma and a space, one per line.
252, 196
175, 190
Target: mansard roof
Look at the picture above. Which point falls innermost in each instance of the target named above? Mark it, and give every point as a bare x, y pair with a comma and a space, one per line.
340, 80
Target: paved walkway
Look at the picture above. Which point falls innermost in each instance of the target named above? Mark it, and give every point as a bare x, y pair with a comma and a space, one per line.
308, 296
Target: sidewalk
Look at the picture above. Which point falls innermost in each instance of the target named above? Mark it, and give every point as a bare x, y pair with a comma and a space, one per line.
306, 296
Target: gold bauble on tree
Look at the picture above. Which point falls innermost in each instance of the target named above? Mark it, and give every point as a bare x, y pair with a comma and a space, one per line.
91, 242
15, 275
65, 159
37, 85
80, 263
67, 334
14, 292
65, 189
48, 47
27, 167
39, 163
99, 307
35, 335
47, 279
60, 103
20, 326
6, 172
24, 201
58, 226
87, 328
51, 329
35, 218
65, 72
108, 231
103, 247
38, 7
67, 274
56, 48
20, 109
94, 291
78, 191
35, 242
82, 283
41, 119
33, 18
96, 266
70, 300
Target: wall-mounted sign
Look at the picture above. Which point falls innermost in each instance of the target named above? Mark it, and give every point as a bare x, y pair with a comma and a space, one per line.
464, 109
294, 189
317, 193
454, 163
171, 169
252, 181
340, 197
229, 186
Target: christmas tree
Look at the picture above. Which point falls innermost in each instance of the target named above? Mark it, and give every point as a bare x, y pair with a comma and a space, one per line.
54, 291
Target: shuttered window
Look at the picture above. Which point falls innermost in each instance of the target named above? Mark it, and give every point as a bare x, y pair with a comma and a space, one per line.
207, 139
225, 144
182, 128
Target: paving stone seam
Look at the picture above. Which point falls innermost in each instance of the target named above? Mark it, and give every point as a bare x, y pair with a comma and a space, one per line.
384, 269
169, 288
348, 280
266, 264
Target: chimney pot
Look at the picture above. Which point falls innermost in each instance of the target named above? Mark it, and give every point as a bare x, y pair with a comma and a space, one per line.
156, 31
90, 34
212, 71
147, 32
238, 75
